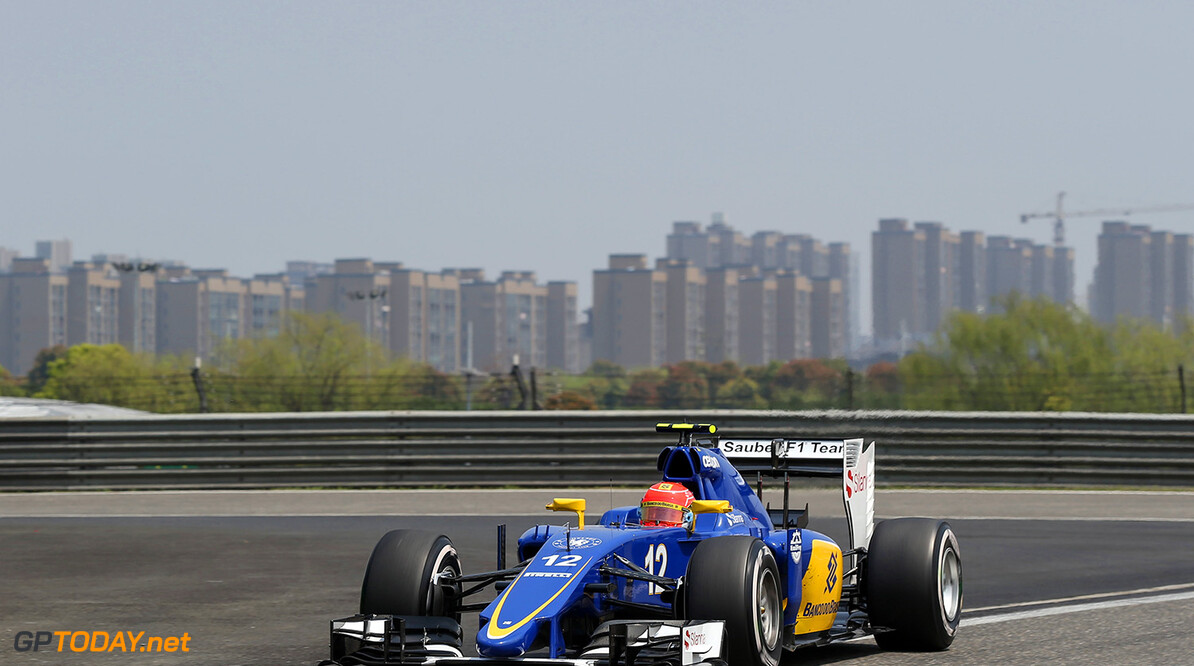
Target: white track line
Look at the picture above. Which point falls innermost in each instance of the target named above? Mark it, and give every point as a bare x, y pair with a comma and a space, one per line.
1120, 519
1076, 608
1102, 595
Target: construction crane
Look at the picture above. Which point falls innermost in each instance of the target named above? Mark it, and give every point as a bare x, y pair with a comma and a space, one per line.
1061, 214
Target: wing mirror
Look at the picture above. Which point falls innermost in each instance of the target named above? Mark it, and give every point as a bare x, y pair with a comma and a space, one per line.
569, 504
708, 506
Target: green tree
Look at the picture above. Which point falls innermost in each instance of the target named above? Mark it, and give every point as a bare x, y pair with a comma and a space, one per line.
569, 400
643, 391
881, 387
683, 388
315, 363
1038, 355
740, 393
36, 378
803, 383
8, 384
602, 368
109, 375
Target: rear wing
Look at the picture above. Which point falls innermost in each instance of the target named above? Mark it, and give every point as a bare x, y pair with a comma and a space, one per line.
853, 460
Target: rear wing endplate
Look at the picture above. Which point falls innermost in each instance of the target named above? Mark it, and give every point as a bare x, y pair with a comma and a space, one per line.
852, 460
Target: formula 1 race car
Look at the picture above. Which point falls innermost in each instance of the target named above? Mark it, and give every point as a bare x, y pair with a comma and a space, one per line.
736, 582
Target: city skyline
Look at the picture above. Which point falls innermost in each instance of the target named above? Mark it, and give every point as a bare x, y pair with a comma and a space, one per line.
548, 136
718, 294
863, 257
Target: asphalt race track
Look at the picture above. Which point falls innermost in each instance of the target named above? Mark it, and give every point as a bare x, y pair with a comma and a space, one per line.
254, 578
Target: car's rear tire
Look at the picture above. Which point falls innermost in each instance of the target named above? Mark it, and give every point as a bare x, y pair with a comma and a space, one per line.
914, 584
735, 578
398, 579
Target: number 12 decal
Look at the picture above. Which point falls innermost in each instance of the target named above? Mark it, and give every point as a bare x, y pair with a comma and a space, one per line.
562, 560
656, 554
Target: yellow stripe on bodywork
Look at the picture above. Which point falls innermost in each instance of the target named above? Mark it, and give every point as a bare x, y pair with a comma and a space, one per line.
494, 631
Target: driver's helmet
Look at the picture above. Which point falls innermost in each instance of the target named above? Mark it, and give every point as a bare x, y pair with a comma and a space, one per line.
666, 505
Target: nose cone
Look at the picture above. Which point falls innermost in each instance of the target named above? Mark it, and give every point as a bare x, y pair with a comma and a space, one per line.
510, 642
544, 590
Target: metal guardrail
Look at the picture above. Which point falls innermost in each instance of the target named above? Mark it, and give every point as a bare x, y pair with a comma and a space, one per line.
440, 449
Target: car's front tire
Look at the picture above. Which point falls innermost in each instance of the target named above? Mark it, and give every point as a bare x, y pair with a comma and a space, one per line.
735, 578
399, 576
914, 584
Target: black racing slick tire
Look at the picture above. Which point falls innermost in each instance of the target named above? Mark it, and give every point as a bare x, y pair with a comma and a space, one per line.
735, 578
914, 584
399, 577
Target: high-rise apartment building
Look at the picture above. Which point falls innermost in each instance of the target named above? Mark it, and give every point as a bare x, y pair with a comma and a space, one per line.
721, 315
357, 292
1063, 275
137, 309
1160, 265
1041, 265
57, 252
6, 257
630, 312
563, 341
524, 317
505, 319
92, 304
1123, 278
721, 253
441, 344
897, 281
793, 313
690, 243
1142, 273
408, 304
807, 255
33, 306
941, 254
971, 291
767, 250
733, 249
197, 310
757, 299
826, 334
266, 301
1009, 269
300, 272
1183, 279
685, 310
844, 268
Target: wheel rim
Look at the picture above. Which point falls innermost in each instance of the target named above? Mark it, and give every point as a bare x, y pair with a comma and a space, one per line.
767, 611
950, 583
446, 561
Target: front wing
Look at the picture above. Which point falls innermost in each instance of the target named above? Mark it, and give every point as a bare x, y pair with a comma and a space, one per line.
384, 640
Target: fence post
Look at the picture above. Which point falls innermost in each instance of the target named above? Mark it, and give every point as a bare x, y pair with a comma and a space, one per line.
197, 377
1181, 381
850, 388
534, 391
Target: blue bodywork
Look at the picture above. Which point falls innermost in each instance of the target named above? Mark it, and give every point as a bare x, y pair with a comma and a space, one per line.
548, 606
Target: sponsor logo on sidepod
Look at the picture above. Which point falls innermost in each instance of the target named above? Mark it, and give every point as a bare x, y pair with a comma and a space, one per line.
578, 542
811, 609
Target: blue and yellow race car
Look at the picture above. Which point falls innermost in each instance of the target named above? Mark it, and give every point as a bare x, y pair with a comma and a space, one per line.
701, 573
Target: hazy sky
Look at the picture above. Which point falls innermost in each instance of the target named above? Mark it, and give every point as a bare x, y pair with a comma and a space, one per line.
547, 135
